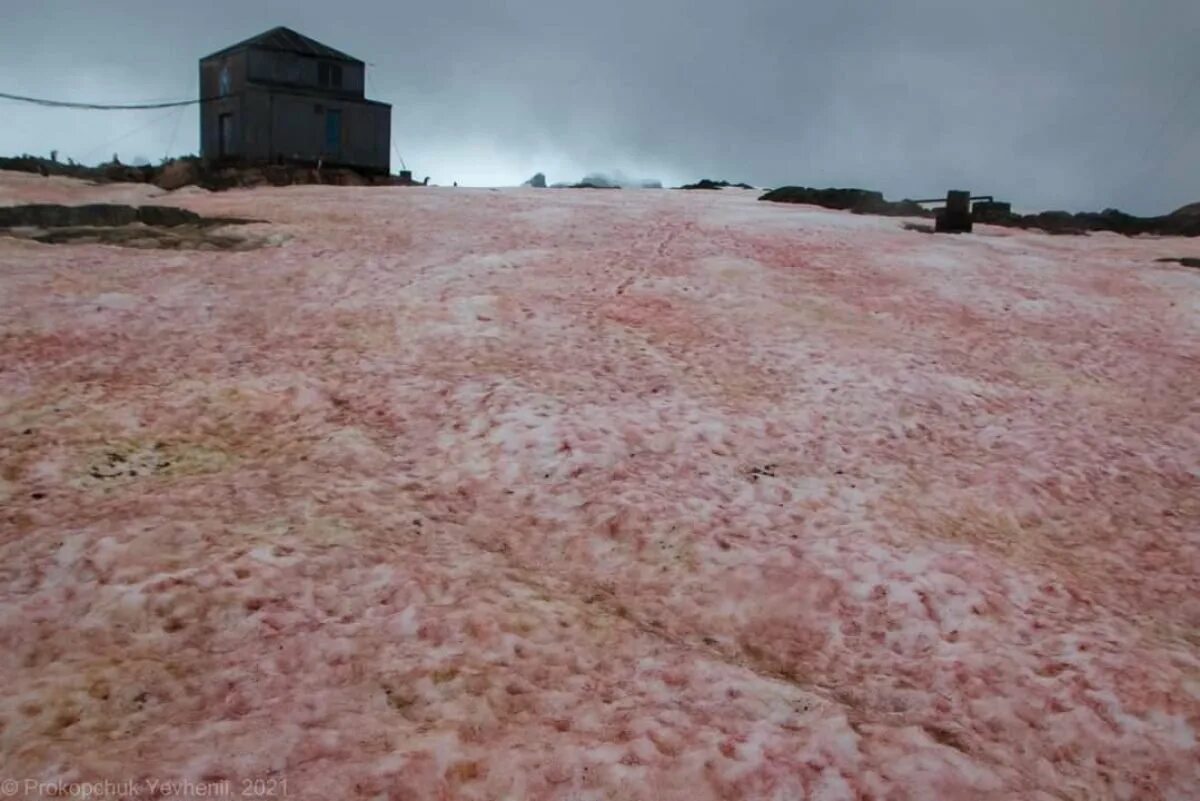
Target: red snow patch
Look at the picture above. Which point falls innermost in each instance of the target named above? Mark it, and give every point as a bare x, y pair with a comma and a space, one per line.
485, 495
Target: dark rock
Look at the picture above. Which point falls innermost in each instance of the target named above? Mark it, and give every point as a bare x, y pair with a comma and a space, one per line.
988, 211
177, 174
843, 199
166, 216
538, 181
125, 174
350, 178
188, 171
48, 215
180, 237
278, 175
905, 208
617, 180
104, 215
705, 183
1182, 222
250, 177
859, 201
596, 180
1114, 220
33, 164
1053, 222
1186, 261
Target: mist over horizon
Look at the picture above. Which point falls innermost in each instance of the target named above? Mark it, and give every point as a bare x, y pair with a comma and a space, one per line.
1081, 106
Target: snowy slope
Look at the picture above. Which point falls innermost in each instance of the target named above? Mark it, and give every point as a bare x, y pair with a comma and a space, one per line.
601, 495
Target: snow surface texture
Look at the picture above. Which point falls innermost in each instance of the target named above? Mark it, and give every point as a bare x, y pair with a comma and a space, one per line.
468, 494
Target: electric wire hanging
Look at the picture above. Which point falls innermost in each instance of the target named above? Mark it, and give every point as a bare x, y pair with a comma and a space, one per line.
41, 101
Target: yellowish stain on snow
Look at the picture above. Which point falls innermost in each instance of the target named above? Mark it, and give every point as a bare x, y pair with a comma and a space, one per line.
122, 461
1048, 376
1030, 540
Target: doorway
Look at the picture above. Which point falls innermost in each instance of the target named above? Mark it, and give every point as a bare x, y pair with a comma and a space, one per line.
225, 133
333, 131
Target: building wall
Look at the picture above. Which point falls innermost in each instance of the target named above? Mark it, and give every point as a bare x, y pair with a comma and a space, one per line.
275, 119
233, 66
293, 69
291, 126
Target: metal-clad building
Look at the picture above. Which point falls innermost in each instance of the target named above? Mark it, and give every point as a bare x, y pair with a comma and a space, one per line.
282, 97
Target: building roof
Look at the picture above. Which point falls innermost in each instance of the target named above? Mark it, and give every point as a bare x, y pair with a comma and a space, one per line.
286, 40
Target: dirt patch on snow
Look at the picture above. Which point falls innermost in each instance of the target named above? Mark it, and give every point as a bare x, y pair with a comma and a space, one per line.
161, 227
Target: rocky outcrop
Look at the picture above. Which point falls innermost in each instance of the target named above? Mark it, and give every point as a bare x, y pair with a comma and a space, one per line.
1184, 260
192, 171
106, 215
177, 174
1114, 220
1182, 222
161, 227
706, 183
859, 201
597, 180
47, 215
987, 211
168, 216
105, 173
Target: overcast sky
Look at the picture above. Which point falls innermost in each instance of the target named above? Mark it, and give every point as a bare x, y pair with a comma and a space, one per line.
1077, 104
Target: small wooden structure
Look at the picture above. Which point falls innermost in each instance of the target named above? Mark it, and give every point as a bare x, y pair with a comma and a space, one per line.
956, 217
283, 97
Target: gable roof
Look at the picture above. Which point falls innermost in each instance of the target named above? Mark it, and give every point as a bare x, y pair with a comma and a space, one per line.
285, 40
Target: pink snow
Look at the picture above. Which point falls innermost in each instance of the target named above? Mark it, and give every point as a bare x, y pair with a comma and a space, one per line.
558, 494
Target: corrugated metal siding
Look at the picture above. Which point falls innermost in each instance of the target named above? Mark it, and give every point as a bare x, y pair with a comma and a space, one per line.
280, 111
289, 69
210, 86
287, 41
298, 126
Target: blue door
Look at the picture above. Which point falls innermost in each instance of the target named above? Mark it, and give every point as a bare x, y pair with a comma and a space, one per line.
333, 131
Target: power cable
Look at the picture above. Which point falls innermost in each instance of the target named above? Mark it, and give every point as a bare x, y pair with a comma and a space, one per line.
157, 119
174, 133
41, 101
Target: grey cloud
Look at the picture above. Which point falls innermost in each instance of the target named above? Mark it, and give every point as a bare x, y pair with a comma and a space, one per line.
1068, 103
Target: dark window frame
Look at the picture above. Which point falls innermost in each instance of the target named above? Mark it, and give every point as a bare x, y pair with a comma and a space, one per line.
329, 75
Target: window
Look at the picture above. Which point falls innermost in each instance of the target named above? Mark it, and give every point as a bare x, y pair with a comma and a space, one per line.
329, 75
